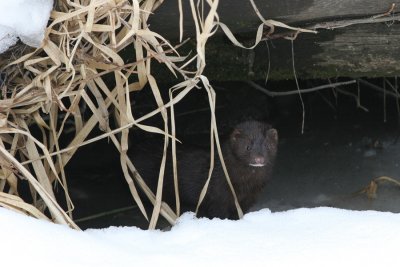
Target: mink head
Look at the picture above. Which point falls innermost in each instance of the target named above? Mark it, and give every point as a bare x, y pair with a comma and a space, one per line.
254, 143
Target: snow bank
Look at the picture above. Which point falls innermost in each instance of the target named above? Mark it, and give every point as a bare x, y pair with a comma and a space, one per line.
26, 19
302, 237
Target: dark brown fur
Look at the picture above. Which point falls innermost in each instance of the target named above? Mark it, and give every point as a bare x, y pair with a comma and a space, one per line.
251, 142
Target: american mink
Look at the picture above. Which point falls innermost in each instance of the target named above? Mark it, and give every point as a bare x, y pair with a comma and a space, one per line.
249, 155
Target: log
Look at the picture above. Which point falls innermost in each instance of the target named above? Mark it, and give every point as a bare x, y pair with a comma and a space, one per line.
241, 18
366, 48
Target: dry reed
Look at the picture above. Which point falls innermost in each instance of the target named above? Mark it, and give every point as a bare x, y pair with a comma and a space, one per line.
46, 87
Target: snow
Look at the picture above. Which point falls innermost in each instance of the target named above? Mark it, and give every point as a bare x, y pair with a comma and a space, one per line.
24, 19
301, 237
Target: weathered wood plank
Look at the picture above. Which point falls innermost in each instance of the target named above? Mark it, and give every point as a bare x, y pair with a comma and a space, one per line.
240, 16
358, 50
361, 50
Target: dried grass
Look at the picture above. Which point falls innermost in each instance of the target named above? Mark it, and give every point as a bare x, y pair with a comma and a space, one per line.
46, 87
371, 189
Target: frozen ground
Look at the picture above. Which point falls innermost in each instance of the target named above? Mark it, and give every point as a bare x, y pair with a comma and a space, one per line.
301, 237
326, 167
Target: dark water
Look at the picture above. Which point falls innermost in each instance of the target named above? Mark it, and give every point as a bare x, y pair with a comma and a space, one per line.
342, 149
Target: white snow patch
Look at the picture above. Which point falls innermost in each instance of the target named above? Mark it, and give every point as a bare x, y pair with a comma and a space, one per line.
302, 237
26, 19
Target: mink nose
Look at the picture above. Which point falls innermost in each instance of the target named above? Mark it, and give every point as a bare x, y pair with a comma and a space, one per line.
259, 160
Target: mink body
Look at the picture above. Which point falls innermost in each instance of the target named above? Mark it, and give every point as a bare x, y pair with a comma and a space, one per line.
249, 155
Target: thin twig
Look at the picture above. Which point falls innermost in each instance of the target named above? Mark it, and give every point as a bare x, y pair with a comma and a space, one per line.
387, 13
377, 88
327, 101
106, 213
396, 89
194, 111
250, 60
384, 17
298, 89
269, 63
355, 97
384, 100
273, 23
330, 25
303, 91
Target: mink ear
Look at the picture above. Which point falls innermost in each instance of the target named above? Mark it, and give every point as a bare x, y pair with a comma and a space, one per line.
273, 134
236, 134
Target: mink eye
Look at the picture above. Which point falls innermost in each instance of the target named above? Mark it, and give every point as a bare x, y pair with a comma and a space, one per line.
249, 146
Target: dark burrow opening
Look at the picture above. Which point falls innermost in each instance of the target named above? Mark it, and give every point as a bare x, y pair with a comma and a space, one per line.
350, 137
